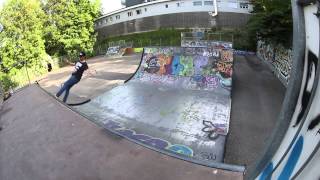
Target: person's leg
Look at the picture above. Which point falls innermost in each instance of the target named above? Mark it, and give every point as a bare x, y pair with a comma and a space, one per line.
66, 94
70, 83
62, 89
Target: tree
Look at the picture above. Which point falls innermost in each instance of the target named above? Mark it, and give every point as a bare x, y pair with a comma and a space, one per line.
271, 21
22, 41
70, 26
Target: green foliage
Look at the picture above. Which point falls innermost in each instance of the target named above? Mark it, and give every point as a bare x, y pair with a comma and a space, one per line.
138, 50
70, 26
22, 41
35, 28
271, 21
163, 37
172, 37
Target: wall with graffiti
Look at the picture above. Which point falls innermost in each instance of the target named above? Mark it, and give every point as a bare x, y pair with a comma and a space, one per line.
115, 51
279, 59
188, 68
205, 43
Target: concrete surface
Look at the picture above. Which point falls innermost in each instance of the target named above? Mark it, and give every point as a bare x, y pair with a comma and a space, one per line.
106, 74
257, 97
42, 139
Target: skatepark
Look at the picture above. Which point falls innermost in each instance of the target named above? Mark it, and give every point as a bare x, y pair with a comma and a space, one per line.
226, 150
189, 112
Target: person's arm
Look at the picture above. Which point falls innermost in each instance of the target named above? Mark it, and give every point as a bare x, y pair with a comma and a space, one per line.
89, 72
75, 68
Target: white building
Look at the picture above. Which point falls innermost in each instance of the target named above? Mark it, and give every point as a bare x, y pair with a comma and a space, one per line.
174, 13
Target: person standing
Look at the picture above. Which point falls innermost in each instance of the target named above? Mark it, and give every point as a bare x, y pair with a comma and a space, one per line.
80, 67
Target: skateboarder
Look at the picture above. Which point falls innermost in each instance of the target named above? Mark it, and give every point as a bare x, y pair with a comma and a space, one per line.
80, 67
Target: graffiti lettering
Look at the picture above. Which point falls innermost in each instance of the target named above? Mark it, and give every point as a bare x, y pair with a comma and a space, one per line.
148, 140
208, 156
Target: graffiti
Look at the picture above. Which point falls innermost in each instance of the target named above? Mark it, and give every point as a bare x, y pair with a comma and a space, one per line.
279, 57
148, 140
225, 69
314, 123
208, 156
213, 129
193, 69
176, 66
227, 55
307, 91
115, 51
152, 65
164, 62
266, 172
211, 82
199, 63
205, 43
293, 159
243, 53
189, 68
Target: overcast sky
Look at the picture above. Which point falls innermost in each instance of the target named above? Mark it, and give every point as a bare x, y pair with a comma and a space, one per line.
107, 5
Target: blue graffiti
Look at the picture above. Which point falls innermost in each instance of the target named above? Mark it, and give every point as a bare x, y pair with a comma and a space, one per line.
266, 174
181, 149
293, 160
176, 66
148, 140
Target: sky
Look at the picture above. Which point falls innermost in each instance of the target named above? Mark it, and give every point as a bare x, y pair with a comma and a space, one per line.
110, 5
107, 5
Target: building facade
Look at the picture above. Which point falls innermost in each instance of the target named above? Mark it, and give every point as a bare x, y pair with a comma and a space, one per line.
153, 15
129, 3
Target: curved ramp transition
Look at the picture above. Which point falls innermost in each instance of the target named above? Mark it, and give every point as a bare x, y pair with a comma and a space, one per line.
178, 102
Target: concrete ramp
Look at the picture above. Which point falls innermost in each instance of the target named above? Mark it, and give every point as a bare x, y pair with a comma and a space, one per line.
178, 102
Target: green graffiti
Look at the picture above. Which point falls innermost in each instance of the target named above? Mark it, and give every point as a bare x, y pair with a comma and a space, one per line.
187, 63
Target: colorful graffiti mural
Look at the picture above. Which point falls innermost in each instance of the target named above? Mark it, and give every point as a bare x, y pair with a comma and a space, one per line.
278, 57
189, 68
193, 68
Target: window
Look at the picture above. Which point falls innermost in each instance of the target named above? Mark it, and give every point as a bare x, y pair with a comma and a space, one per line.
178, 4
129, 14
208, 3
167, 5
138, 11
117, 16
197, 3
244, 5
106, 20
145, 9
111, 19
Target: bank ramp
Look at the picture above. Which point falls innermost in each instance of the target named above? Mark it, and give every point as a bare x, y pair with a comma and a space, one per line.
178, 102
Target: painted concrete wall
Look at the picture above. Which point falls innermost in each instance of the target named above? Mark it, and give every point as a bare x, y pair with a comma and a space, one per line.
278, 58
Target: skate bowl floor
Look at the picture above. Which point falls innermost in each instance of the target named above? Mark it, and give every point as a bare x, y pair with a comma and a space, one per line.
178, 103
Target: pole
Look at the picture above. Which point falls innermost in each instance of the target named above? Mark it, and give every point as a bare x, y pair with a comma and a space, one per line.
25, 65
